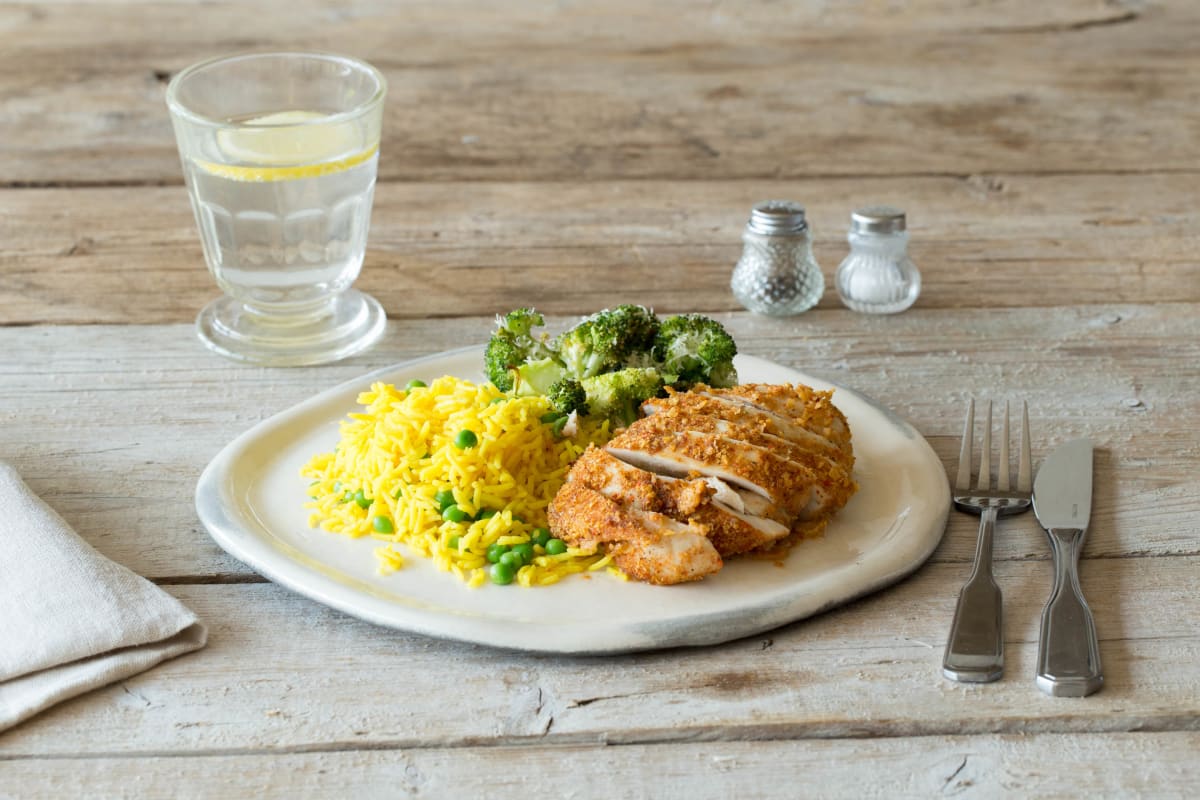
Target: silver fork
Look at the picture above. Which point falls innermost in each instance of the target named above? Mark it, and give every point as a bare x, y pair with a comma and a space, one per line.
975, 651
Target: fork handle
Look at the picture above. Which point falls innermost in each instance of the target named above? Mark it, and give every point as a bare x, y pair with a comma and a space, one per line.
975, 650
1068, 649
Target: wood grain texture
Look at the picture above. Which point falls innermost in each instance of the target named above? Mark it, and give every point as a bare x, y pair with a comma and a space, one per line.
284, 674
584, 91
468, 249
1148, 764
112, 425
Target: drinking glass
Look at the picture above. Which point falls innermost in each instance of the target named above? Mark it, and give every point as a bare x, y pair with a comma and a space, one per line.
279, 154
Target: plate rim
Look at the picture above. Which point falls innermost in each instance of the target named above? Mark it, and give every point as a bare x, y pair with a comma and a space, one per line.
213, 502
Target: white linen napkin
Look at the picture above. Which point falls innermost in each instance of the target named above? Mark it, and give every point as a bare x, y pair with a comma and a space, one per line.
70, 619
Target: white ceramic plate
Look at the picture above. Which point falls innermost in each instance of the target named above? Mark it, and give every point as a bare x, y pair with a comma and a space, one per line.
251, 500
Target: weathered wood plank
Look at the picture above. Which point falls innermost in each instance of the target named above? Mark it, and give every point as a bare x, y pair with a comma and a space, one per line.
477, 249
1042, 765
114, 433
283, 674
587, 91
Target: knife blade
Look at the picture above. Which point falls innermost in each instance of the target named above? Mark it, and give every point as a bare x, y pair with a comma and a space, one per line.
1068, 649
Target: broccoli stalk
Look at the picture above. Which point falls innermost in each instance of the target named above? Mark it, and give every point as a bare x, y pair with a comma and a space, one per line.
619, 395
692, 348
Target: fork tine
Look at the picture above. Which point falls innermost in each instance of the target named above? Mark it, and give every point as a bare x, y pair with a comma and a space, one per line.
985, 459
963, 481
1002, 465
1025, 467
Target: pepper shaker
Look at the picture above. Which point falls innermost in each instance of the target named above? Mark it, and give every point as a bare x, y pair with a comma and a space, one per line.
777, 273
878, 277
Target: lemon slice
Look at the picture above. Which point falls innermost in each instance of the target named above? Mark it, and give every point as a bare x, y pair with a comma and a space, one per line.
286, 148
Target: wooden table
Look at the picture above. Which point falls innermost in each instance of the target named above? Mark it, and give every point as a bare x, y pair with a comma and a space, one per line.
581, 156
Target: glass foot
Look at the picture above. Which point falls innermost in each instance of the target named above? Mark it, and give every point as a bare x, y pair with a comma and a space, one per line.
351, 323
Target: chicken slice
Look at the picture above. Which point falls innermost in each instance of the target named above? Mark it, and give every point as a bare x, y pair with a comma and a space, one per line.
730, 530
831, 473
810, 409
785, 483
647, 545
741, 413
734, 533
627, 485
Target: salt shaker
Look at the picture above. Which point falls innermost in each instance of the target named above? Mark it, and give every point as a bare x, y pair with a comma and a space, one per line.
878, 277
777, 273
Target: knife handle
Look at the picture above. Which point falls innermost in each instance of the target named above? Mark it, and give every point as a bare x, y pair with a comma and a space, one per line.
1068, 651
975, 649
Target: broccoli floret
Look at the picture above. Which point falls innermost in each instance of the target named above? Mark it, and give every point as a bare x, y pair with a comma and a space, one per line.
501, 355
514, 344
640, 326
618, 395
568, 395
521, 321
695, 349
607, 340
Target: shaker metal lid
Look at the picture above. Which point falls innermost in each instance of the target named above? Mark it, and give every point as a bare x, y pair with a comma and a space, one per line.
777, 217
878, 219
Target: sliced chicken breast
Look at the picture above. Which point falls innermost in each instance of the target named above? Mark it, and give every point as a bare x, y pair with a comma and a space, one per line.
648, 546
709, 474
785, 483
628, 485
731, 531
739, 412
802, 405
834, 479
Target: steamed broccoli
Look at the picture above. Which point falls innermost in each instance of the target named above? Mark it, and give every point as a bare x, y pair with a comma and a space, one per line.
610, 362
516, 355
618, 395
608, 340
695, 349
568, 395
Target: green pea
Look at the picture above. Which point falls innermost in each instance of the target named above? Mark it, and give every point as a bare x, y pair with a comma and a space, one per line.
444, 499
414, 384
495, 551
525, 551
347, 497
512, 559
552, 416
362, 500
383, 525
455, 514
556, 547
502, 574
453, 543
540, 536
487, 513
465, 439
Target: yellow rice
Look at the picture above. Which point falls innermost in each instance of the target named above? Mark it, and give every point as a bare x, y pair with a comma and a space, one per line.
399, 451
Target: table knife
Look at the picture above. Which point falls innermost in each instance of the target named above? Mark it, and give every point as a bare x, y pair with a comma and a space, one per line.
1068, 662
